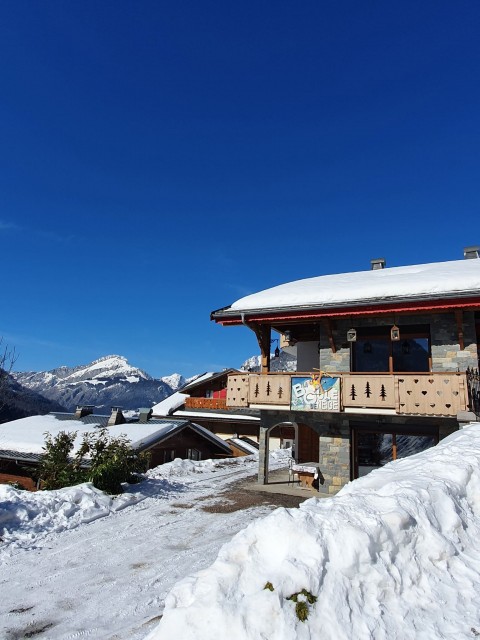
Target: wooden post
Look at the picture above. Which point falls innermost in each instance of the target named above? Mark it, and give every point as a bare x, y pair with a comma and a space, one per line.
394, 446
459, 319
328, 326
263, 333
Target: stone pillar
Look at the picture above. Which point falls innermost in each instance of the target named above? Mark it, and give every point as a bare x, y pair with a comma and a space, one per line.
335, 459
263, 455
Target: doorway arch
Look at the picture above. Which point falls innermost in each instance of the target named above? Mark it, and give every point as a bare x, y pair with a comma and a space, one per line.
264, 448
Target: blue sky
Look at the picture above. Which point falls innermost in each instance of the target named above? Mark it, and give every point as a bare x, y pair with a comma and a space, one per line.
159, 160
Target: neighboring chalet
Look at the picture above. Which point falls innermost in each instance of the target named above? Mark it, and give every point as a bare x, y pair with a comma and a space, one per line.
387, 363
204, 400
21, 441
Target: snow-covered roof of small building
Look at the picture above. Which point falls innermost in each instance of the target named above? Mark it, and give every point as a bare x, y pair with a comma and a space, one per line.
457, 278
27, 435
168, 405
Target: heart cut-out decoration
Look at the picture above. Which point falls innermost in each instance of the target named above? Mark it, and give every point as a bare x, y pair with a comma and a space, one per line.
401, 380
431, 381
432, 404
446, 381
424, 393
409, 393
439, 393
417, 404
416, 381
448, 406
455, 393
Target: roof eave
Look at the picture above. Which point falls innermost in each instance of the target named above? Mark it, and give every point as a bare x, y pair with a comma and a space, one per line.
467, 299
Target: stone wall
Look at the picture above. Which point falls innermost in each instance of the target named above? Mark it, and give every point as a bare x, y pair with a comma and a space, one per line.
446, 353
334, 450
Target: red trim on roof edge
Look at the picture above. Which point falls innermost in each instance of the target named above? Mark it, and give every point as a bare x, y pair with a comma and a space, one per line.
440, 305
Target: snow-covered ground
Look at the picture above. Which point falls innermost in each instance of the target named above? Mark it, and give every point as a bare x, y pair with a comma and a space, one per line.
395, 554
77, 563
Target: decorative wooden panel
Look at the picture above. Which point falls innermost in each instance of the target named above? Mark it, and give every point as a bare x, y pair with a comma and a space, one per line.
442, 395
265, 389
237, 390
370, 391
205, 403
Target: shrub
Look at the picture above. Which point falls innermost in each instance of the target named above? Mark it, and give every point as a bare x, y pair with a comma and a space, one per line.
56, 469
112, 461
104, 461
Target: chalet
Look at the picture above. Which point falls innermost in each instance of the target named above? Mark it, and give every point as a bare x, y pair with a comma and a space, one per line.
387, 363
204, 401
21, 441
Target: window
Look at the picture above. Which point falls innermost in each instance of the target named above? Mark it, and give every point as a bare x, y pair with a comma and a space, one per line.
375, 351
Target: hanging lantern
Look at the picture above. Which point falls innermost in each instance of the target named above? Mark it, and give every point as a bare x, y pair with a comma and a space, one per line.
395, 333
352, 335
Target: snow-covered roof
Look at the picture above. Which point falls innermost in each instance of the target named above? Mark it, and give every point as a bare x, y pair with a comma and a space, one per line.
200, 378
457, 278
243, 445
208, 377
27, 435
167, 406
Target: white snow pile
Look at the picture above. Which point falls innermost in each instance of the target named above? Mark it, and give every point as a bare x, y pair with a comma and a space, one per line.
395, 554
25, 516
190, 469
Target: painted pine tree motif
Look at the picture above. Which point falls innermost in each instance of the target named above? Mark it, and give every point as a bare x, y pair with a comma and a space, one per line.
257, 390
383, 393
269, 388
353, 392
280, 391
368, 390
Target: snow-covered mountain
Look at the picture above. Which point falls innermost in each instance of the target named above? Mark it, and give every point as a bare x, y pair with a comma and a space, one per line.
176, 381
106, 382
284, 362
19, 402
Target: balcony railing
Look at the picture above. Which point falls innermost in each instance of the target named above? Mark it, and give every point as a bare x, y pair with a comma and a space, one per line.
425, 394
473, 384
205, 403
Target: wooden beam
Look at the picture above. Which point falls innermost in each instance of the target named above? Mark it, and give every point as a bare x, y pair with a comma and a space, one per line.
328, 326
459, 320
263, 333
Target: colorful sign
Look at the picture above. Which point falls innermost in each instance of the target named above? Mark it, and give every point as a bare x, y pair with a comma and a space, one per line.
315, 393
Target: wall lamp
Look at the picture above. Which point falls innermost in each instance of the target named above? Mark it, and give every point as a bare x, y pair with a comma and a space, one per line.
276, 353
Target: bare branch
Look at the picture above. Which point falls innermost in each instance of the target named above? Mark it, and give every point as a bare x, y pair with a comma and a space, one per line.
8, 357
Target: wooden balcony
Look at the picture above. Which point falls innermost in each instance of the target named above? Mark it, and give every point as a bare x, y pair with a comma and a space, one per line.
423, 394
205, 403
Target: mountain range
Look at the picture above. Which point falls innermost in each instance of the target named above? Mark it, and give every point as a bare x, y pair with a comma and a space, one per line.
106, 382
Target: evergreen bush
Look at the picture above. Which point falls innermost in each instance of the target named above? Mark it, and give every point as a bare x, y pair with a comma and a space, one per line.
103, 460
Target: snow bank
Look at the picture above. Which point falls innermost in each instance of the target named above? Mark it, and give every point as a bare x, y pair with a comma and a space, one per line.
24, 516
395, 554
192, 468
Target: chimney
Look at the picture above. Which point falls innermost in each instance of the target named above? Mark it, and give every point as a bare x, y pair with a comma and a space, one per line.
116, 417
144, 415
84, 410
471, 252
378, 263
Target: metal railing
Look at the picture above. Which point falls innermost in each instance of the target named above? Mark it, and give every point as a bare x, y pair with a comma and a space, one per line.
473, 386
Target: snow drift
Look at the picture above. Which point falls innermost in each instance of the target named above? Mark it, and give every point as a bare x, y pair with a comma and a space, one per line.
395, 554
